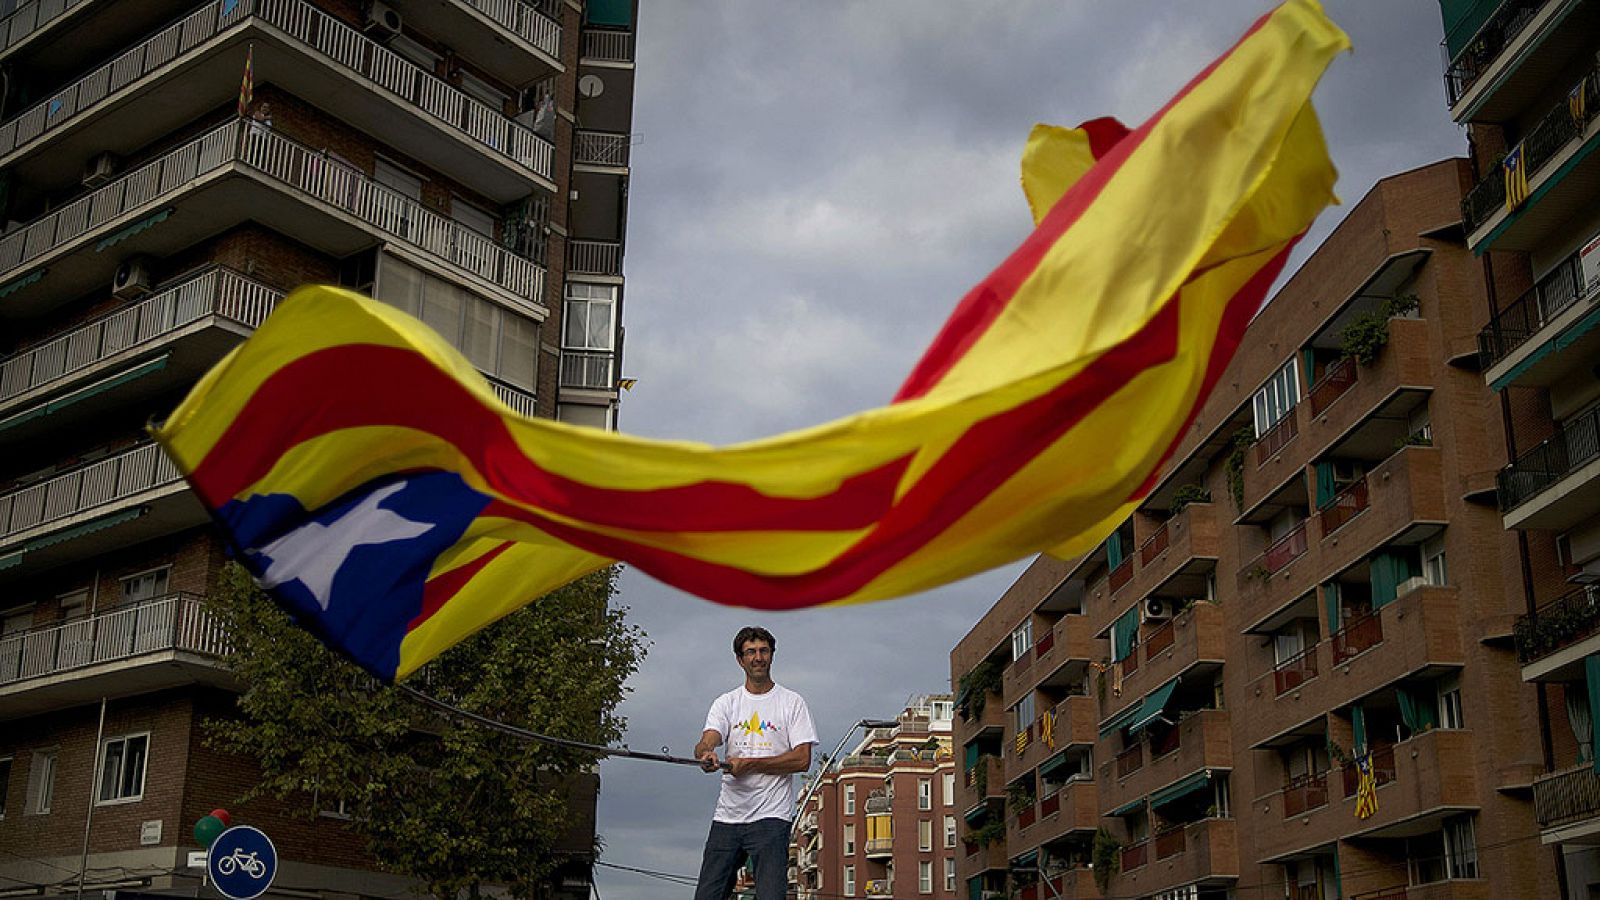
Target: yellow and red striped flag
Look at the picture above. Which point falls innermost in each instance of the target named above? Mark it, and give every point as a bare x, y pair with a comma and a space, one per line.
1366, 788
1516, 176
367, 474
247, 85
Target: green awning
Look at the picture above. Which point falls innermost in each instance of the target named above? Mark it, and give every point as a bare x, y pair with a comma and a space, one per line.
1183, 787
84, 393
1120, 719
123, 234
1052, 764
1562, 341
977, 813
7, 562
1026, 860
1154, 704
962, 695
1126, 808
90, 527
18, 284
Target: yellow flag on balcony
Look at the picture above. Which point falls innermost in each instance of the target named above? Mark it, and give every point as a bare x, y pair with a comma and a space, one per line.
1047, 729
1516, 175
1366, 788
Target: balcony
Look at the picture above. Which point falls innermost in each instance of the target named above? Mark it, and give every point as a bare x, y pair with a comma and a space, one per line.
1073, 808
607, 48
235, 173
515, 41
1486, 80
135, 99
1558, 302
1555, 485
1058, 660
1200, 741
1553, 640
1335, 381
1421, 781
1175, 559
1076, 883
133, 649
1121, 575
880, 848
1194, 637
588, 369
1351, 395
1203, 853
1072, 721
1305, 793
1417, 635
594, 258
1553, 149
1463, 889
601, 149
1567, 804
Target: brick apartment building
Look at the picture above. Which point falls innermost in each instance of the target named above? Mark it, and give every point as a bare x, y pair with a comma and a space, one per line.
1524, 77
1320, 585
465, 160
882, 820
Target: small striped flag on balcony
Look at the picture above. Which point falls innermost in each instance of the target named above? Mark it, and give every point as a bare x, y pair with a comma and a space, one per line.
1516, 175
247, 85
367, 474
1576, 105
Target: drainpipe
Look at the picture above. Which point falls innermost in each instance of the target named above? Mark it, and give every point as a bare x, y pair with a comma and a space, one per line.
94, 777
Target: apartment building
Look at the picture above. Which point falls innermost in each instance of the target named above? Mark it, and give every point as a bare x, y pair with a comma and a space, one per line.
1524, 77
169, 169
881, 821
1292, 672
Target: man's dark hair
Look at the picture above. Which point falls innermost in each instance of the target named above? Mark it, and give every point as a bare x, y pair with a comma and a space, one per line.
753, 633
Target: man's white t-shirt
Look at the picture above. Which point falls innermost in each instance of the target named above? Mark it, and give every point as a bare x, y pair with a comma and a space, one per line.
756, 725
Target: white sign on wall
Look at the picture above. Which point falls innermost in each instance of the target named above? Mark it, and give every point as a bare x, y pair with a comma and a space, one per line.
150, 833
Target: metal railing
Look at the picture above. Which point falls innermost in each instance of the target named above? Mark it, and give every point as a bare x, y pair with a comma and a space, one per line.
1567, 797
1278, 554
83, 488
521, 402
287, 162
601, 148
321, 34
1350, 502
1135, 855
177, 622
525, 21
1305, 792
1557, 624
1398, 892
588, 369
217, 291
1130, 760
1358, 636
31, 17
1576, 444
594, 257
608, 46
1336, 380
1478, 54
1277, 437
1555, 131
1295, 671
1525, 317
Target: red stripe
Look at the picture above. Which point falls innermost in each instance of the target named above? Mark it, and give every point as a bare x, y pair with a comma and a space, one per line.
437, 591
1104, 133
390, 386
983, 304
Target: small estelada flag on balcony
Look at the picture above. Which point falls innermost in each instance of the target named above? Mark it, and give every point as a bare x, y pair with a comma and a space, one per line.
1576, 105
1366, 788
247, 85
1047, 729
1516, 174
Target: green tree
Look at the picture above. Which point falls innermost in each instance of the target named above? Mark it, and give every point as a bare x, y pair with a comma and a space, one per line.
452, 804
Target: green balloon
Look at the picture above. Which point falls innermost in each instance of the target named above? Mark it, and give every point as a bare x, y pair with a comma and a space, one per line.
208, 829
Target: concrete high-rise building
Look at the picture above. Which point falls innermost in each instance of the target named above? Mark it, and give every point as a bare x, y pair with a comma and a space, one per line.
1524, 77
464, 160
1291, 673
881, 821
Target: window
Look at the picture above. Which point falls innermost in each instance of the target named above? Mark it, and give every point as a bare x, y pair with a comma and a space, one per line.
925, 835
943, 710
41, 782
144, 586
849, 881
16, 621
483, 92
1450, 703
122, 765
949, 831
925, 877
949, 789
849, 839
498, 341
5, 783
397, 179
1022, 639
925, 793
1460, 848
950, 875
1433, 561
589, 317
415, 52
1276, 397
849, 799
1024, 712
74, 605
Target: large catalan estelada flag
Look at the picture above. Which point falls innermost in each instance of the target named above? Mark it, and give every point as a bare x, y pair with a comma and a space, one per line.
368, 476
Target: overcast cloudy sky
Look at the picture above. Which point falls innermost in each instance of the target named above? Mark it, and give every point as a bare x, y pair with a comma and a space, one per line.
814, 186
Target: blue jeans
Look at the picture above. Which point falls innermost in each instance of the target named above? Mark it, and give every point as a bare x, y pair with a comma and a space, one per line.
764, 841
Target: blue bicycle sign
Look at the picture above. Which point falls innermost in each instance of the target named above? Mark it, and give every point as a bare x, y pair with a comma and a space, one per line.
242, 863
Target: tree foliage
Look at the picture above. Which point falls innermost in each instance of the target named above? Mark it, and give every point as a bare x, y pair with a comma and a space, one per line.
449, 803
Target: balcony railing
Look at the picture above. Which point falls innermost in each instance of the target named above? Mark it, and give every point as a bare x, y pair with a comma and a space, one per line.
1045, 644
1277, 437
1576, 444
1304, 793
608, 46
525, 21
29, 17
1398, 892
1121, 575
1528, 314
1130, 760
588, 369
1486, 45
1135, 855
1154, 545
1338, 378
1163, 637
1165, 741
283, 160
1050, 805
520, 400
1559, 623
594, 257
84, 488
1169, 843
601, 148
1567, 797
880, 845
1345, 505
177, 622
1383, 772
1026, 816
217, 291
1278, 554
1357, 636
1557, 129
1295, 671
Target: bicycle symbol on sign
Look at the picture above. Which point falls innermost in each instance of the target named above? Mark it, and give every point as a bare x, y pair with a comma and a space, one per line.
240, 861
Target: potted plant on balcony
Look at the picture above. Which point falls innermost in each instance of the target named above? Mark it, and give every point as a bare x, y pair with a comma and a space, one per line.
1365, 335
1189, 493
1105, 858
1234, 466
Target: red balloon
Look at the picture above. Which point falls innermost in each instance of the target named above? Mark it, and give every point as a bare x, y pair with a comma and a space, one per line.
222, 814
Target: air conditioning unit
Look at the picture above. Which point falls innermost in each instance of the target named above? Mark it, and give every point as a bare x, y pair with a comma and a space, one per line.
132, 278
1345, 471
99, 169
1157, 609
383, 20
1409, 585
